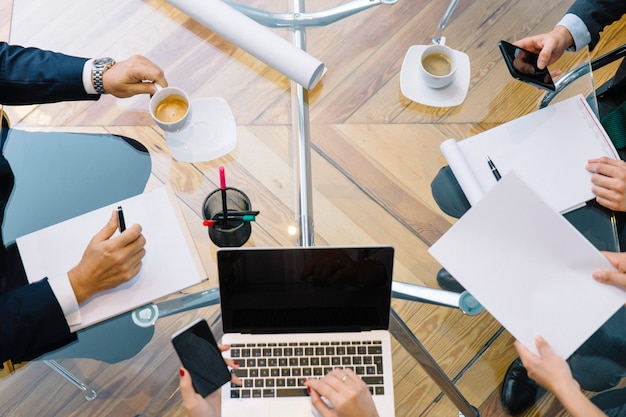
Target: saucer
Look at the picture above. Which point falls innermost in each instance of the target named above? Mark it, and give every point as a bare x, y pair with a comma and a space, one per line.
414, 88
211, 133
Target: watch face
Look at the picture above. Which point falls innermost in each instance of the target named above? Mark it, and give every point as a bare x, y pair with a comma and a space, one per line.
103, 62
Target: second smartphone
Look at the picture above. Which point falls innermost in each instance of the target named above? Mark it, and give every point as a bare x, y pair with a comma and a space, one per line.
522, 65
197, 349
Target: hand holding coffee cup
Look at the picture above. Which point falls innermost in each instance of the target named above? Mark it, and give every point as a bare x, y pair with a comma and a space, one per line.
438, 65
170, 108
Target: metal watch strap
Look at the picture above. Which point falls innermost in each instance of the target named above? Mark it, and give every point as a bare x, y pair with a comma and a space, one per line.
100, 65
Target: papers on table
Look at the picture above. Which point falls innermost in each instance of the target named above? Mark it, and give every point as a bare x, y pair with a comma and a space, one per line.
548, 149
529, 267
171, 262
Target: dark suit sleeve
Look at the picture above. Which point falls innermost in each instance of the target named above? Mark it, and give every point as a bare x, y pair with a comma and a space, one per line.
597, 14
34, 76
31, 323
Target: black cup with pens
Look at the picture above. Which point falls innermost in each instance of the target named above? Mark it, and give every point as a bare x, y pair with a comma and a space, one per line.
234, 228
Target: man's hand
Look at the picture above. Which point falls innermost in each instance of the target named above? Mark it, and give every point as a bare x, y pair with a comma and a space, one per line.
550, 46
609, 182
135, 75
108, 262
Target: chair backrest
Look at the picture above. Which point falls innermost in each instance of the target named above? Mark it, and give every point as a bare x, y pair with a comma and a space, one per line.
62, 175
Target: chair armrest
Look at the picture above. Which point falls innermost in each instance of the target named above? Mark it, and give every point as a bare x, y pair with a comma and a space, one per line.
581, 70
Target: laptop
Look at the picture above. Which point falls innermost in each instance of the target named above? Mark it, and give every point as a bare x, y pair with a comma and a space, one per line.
296, 313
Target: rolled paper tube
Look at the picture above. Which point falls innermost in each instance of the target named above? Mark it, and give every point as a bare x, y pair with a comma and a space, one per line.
255, 38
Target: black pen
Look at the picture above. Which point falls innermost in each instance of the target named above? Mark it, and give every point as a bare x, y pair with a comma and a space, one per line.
493, 168
120, 219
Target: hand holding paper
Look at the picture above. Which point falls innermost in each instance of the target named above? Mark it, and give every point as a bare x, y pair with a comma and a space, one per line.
548, 149
529, 267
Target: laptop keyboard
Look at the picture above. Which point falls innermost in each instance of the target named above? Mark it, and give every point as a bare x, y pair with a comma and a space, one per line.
279, 369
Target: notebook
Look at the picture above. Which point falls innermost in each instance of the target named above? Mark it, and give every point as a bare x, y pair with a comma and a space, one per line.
296, 313
548, 149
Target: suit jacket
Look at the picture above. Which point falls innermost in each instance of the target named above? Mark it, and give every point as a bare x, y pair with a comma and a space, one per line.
597, 14
31, 319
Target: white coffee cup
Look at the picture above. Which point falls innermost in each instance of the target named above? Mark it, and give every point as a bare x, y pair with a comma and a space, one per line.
438, 65
170, 108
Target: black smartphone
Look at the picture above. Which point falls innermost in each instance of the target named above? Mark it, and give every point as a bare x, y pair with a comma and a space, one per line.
522, 65
197, 349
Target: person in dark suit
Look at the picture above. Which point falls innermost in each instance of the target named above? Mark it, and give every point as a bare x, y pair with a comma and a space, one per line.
36, 317
595, 365
599, 364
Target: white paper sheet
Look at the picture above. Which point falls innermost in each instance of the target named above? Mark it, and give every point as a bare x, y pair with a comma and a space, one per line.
171, 262
256, 39
529, 268
548, 149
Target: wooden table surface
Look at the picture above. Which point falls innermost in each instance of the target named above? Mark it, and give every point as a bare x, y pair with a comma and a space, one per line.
374, 153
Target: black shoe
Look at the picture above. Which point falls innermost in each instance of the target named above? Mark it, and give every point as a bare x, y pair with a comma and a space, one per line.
518, 392
447, 281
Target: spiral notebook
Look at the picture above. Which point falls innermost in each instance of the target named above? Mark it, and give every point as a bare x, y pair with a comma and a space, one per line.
548, 149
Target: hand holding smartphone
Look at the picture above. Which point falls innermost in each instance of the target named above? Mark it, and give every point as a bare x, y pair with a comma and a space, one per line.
198, 351
522, 65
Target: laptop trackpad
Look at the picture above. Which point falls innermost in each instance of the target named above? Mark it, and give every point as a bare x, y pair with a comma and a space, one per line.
291, 407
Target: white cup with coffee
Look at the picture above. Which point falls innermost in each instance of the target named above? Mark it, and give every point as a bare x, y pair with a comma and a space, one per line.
438, 65
170, 108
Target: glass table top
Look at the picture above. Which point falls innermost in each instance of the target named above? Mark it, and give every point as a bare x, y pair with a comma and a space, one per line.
373, 150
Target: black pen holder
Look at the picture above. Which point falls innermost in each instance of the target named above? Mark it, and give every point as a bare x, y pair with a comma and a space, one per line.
234, 231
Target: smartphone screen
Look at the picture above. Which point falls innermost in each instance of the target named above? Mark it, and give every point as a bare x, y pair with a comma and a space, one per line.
197, 349
522, 65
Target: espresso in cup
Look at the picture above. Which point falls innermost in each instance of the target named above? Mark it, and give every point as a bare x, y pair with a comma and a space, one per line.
170, 109
438, 65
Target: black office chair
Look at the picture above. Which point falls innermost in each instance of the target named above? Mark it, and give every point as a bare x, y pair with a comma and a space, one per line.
610, 95
62, 175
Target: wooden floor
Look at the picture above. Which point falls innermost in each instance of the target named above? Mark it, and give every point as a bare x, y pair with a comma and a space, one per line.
374, 155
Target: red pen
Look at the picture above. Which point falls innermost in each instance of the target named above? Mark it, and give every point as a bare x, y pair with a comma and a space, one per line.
224, 205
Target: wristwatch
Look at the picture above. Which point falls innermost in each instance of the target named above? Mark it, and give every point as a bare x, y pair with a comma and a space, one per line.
97, 71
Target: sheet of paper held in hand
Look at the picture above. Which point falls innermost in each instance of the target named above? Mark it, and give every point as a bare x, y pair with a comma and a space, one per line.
529, 267
171, 262
548, 148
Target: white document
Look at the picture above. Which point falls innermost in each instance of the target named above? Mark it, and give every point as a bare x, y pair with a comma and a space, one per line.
529, 267
256, 39
171, 262
549, 149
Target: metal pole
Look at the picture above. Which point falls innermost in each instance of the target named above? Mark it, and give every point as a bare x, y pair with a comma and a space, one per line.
302, 147
407, 339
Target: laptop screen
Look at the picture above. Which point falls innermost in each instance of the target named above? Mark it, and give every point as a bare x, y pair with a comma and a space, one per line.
301, 290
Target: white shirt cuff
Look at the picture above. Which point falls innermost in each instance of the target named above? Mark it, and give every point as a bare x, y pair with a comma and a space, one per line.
578, 30
87, 83
64, 294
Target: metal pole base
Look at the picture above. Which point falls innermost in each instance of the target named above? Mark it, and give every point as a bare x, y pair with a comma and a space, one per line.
89, 393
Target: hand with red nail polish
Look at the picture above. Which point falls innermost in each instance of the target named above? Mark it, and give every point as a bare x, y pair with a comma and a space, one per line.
195, 405
209, 406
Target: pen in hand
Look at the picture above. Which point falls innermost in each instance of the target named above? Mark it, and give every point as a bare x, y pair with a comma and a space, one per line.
493, 168
120, 219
